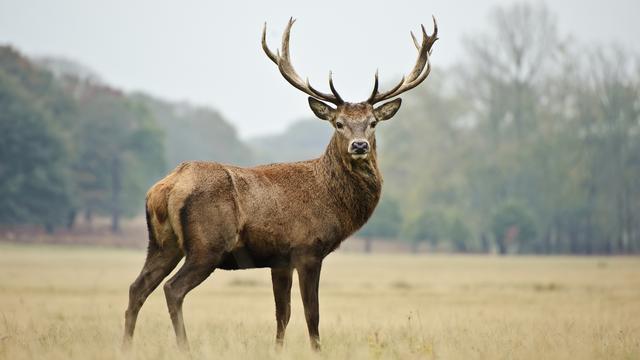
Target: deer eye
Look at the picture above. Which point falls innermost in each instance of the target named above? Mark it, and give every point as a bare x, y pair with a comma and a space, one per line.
339, 125
373, 124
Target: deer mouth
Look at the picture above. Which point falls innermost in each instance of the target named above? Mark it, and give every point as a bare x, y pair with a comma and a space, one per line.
359, 156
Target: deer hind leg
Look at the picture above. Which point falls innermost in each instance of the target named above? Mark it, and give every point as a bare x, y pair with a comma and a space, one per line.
194, 271
159, 263
281, 279
207, 235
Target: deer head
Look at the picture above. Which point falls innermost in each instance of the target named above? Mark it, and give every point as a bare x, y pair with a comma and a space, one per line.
354, 122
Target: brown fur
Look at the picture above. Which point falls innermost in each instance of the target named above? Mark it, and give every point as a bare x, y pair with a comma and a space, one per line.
325, 199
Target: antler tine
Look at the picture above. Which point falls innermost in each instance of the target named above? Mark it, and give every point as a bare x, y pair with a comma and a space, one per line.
283, 60
423, 55
415, 41
265, 47
375, 88
317, 93
435, 28
418, 73
333, 89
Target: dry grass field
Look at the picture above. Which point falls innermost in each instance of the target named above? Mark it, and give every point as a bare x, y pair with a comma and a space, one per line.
68, 303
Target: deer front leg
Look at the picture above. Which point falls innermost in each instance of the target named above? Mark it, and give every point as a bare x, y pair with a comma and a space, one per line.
281, 279
309, 278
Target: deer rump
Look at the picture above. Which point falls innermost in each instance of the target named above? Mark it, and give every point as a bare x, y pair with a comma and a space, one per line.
249, 215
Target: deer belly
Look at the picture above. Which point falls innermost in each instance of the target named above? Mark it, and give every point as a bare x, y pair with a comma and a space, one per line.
244, 258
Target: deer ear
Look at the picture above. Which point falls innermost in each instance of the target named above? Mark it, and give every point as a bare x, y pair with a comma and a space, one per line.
387, 110
322, 110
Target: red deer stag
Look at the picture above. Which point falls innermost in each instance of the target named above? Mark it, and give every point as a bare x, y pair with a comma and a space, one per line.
281, 216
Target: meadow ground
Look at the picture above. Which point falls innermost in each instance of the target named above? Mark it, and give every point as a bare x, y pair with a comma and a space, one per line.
68, 303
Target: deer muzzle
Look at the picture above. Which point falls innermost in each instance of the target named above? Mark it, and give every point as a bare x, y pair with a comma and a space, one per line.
359, 148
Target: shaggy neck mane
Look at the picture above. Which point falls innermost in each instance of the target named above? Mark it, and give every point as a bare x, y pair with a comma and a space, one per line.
355, 185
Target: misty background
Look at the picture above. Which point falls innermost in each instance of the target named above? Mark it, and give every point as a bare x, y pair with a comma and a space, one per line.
208, 53
524, 139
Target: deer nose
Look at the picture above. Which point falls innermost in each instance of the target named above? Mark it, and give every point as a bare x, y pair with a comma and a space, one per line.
360, 147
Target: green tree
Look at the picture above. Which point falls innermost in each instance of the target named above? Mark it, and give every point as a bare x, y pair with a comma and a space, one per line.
34, 177
513, 224
431, 226
119, 151
459, 235
384, 223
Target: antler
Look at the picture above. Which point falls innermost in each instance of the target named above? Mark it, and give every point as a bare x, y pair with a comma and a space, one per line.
417, 75
283, 61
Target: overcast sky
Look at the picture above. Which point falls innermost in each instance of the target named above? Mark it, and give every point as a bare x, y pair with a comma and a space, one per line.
208, 52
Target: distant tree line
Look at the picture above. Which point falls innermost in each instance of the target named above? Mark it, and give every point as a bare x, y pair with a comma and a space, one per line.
531, 144
72, 146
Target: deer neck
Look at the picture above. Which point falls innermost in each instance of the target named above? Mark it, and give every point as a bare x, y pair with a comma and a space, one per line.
355, 185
